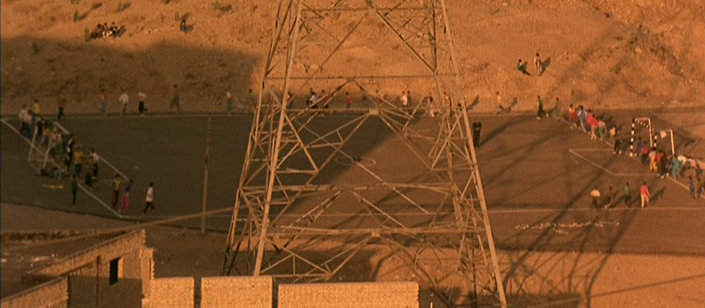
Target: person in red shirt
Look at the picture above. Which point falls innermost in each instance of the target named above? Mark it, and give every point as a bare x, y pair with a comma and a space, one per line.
592, 121
645, 195
348, 100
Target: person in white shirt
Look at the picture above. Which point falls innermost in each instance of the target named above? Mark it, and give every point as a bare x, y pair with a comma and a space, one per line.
149, 199
404, 100
124, 99
23, 113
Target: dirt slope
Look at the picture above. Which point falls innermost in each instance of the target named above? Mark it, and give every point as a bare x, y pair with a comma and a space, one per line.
603, 53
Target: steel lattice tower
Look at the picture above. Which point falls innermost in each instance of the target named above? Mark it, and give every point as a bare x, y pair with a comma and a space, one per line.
425, 202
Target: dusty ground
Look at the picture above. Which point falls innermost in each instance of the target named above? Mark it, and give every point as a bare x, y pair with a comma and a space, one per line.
601, 53
535, 279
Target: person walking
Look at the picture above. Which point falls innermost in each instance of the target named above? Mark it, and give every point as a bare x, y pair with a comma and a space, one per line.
645, 195
348, 100
595, 194
557, 112
78, 160
116, 190
21, 116
676, 167
94, 159
37, 108
582, 116
500, 108
571, 116
230, 102
601, 128
539, 64
540, 111
123, 99
126, 198
176, 99
104, 102
592, 121
61, 104
404, 100
476, 127
141, 108
89, 175
149, 199
626, 194
74, 189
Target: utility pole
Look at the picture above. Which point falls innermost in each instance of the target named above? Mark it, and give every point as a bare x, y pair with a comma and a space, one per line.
205, 177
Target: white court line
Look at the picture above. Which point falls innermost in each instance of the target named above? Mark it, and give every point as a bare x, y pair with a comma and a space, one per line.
496, 211
102, 159
633, 208
56, 165
572, 151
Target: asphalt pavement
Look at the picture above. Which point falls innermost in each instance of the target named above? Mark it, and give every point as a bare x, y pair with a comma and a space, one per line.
537, 175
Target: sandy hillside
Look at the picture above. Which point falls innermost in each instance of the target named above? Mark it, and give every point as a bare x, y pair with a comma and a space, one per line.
603, 53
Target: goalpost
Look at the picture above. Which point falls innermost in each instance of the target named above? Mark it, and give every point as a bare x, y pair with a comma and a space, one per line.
653, 135
38, 153
644, 123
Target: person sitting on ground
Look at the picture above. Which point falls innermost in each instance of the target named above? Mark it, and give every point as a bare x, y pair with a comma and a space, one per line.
113, 29
183, 27
104, 30
97, 32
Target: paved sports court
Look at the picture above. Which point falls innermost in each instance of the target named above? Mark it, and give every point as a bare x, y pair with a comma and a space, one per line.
537, 176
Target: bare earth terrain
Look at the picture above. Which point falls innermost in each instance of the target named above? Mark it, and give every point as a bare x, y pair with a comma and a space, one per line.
606, 54
603, 54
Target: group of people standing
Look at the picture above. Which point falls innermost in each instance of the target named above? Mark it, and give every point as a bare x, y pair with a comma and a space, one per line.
664, 164
611, 200
115, 186
123, 100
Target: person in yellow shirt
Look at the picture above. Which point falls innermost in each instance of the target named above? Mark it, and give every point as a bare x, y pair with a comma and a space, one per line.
37, 108
78, 160
116, 190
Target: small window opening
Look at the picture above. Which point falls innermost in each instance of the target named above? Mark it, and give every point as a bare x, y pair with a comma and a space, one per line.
115, 270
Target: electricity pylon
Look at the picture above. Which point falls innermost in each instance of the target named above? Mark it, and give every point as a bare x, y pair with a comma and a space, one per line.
324, 179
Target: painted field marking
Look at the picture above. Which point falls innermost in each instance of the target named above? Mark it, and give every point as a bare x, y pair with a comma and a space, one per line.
619, 174
56, 165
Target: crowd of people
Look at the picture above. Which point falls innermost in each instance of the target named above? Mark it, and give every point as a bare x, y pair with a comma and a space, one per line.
657, 160
69, 159
665, 164
103, 31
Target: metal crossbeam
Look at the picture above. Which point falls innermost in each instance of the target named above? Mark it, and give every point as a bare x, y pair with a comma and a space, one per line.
309, 202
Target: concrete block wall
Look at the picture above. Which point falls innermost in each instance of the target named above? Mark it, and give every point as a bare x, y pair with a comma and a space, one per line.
349, 295
52, 294
236, 292
171, 293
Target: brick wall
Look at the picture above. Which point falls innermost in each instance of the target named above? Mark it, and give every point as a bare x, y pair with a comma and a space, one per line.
133, 241
349, 295
236, 292
53, 294
171, 293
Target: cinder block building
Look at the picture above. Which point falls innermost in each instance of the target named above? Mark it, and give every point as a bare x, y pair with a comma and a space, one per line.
119, 273
115, 273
